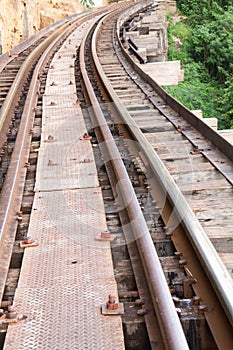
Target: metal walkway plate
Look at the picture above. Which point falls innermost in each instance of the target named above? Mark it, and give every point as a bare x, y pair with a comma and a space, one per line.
64, 280
67, 277
65, 159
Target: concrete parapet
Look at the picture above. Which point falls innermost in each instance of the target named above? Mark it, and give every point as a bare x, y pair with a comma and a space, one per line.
212, 122
227, 134
164, 73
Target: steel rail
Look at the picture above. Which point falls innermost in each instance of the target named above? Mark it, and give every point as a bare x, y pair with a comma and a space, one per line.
171, 329
214, 267
12, 192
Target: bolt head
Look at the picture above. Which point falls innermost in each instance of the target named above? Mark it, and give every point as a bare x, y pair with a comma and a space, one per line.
111, 306
28, 240
105, 234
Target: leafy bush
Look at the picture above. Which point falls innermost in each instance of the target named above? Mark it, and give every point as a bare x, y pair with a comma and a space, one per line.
88, 4
195, 93
206, 57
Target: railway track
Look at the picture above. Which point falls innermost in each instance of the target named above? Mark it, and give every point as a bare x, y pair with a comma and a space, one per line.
170, 274
176, 141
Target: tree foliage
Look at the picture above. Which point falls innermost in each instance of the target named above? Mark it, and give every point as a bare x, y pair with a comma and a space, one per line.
212, 43
88, 4
209, 44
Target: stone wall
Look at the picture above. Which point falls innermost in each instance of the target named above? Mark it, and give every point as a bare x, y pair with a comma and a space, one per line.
19, 19
52, 11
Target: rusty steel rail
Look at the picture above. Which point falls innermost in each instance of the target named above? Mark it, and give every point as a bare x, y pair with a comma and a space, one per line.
171, 329
182, 213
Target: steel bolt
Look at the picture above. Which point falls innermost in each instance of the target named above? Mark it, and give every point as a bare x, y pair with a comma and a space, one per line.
111, 304
28, 240
105, 234
11, 313
86, 136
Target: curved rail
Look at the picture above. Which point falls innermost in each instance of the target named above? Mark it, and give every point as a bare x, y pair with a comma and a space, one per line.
215, 269
171, 329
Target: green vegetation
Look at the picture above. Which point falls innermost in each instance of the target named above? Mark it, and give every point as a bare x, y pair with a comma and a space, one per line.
88, 4
203, 41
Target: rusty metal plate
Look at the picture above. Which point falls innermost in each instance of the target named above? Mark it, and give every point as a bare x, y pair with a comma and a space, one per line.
65, 159
65, 224
68, 324
64, 156
66, 277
